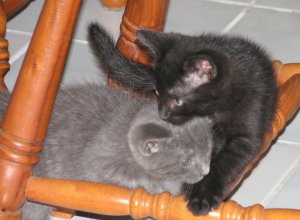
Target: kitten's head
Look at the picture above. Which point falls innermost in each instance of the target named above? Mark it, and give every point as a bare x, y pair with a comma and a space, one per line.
183, 73
171, 153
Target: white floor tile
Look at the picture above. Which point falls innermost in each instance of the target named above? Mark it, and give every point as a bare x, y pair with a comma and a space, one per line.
263, 183
26, 19
82, 66
194, 17
278, 32
288, 196
16, 42
91, 11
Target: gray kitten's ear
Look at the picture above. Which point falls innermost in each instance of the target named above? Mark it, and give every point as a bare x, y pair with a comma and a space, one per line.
199, 69
155, 43
149, 147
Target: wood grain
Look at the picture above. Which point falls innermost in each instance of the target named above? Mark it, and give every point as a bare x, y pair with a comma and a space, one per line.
4, 54
142, 14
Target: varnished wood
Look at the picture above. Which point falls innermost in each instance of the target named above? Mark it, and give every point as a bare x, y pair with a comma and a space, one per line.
4, 54
25, 121
45, 55
114, 200
113, 4
13, 6
62, 213
144, 14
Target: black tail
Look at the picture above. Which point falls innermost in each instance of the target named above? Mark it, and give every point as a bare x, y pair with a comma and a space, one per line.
131, 75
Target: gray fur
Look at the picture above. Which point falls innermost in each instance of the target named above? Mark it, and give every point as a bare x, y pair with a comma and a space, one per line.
101, 135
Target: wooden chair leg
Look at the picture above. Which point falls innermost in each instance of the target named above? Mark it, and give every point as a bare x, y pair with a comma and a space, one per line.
25, 121
4, 54
144, 14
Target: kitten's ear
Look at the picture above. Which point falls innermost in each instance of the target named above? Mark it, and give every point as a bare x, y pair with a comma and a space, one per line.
149, 147
155, 43
199, 69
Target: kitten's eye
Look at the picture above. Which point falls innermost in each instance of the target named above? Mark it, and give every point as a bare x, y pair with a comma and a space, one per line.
177, 101
157, 93
186, 161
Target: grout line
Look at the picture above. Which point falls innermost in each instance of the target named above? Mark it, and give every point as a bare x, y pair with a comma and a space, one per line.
295, 144
30, 34
18, 54
266, 7
80, 41
285, 10
281, 183
18, 32
229, 2
23, 49
235, 21
238, 18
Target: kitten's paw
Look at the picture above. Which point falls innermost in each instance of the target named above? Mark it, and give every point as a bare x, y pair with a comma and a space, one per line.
202, 202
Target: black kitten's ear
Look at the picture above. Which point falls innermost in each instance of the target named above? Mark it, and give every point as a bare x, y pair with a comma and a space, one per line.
199, 69
149, 147
155, 43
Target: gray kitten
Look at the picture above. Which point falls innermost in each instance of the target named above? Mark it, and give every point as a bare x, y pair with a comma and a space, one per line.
102, 135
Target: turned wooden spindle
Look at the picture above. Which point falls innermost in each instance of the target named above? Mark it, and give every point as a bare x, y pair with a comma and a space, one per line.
25, 121
142, 14
113, 200
4, 54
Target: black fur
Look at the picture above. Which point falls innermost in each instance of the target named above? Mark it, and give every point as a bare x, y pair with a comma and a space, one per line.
228, 78
119, 68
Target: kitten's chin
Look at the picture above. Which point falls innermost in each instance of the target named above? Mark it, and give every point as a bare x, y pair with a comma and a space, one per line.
193, 180
177, 120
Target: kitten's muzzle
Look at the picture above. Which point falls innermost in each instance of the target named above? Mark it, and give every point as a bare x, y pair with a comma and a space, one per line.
164, 114
167, 115
205, 170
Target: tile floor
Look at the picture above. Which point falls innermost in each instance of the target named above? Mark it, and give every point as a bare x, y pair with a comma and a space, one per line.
274, 23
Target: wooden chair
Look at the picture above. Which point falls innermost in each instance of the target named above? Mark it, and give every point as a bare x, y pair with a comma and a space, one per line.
25, 122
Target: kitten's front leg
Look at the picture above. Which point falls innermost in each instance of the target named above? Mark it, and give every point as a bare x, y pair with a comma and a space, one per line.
207, 194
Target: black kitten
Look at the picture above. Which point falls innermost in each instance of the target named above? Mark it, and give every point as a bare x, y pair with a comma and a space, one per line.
230, 79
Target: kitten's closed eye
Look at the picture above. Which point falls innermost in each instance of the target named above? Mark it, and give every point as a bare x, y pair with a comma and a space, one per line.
186, 161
